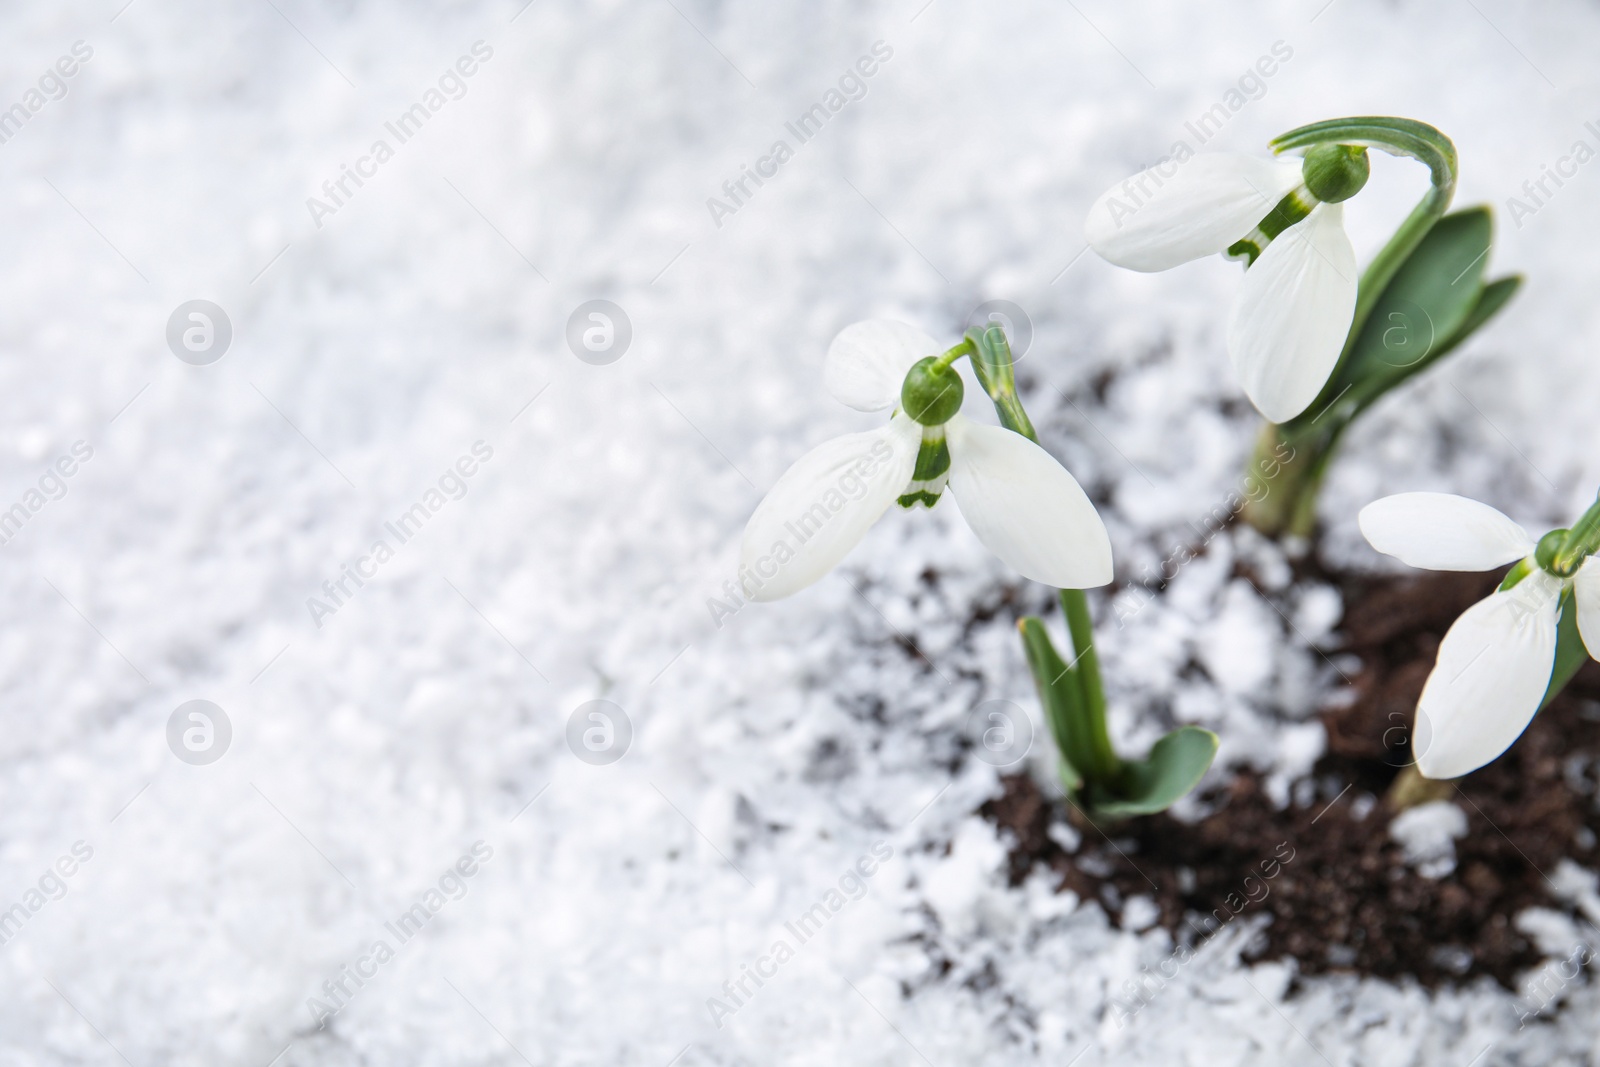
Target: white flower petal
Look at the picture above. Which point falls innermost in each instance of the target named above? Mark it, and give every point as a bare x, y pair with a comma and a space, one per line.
1026, 508
1293, 312
1586, 584
822, 505
1175, 212
867, 362
1493, 669
1443, 532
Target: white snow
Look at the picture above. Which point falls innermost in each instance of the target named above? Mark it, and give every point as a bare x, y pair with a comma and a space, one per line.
1427, 836
1139, 913
772, 749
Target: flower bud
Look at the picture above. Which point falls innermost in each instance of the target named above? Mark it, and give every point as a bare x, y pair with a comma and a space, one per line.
1335, 172
932, 392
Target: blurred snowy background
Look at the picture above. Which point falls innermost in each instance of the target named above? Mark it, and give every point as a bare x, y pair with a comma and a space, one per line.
378, 338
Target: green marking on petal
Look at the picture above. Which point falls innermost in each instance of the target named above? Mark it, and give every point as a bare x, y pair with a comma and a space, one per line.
1546, 551
1293, 208
933, 457
1247, 250
923, 497
932, 471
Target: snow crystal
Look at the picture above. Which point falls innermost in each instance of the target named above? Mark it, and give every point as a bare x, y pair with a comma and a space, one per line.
1427, 834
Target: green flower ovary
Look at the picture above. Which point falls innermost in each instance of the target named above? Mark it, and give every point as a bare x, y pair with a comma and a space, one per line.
1553, 555
1333, 173
932, 392
1545, 553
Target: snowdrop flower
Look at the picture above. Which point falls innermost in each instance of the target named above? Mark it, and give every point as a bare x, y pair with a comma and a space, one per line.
1284, 217
1495, 663
1019, 501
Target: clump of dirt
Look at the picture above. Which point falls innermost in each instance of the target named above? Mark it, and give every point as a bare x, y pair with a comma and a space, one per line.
1340, 895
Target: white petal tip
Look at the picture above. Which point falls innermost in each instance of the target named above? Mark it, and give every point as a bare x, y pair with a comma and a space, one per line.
1026, 508
1489, 680
822, 505
1183, 209
1442, 532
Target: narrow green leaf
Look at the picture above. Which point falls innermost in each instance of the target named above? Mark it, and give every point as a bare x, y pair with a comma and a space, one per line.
1425, 304
1175, 765
1490, 299
1058, 691
1433, 303
1494, 296
1091, 724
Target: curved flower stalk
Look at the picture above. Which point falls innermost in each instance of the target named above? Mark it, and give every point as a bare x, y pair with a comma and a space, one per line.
1020, 502
1512, 652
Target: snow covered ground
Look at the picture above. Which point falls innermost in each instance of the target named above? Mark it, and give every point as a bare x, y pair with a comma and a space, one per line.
390, 737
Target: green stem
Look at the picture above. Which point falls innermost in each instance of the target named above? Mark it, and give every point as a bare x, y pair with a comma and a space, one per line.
963, 349
991, 360
1088, 744
1060, 696
1582, 540
1303, 519
1106, 768
1283, 474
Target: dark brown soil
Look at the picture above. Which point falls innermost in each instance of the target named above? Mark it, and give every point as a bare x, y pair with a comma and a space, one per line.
1346, 901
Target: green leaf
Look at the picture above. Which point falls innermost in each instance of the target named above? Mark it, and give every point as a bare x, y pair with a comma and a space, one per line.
1434, 302
1494, 296
1059, 694
1424, 306
1091, 725
1175, 765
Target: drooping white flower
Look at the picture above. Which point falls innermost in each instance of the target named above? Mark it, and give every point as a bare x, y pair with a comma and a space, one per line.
1495, 662
1021, 503
1285, 216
